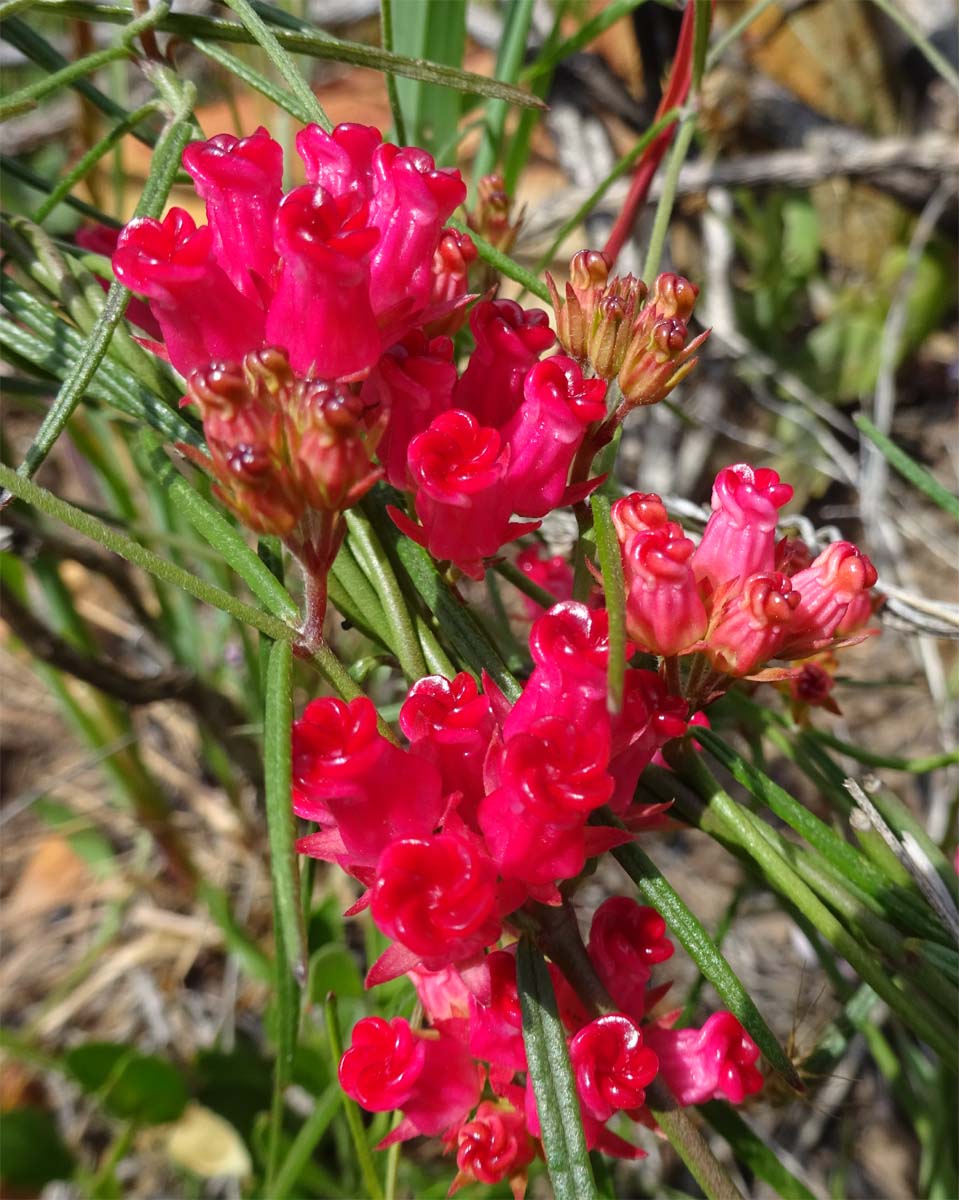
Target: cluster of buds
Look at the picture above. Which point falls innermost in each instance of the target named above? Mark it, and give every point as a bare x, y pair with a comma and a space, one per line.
625, 333
287, 455
457, 837
739, 598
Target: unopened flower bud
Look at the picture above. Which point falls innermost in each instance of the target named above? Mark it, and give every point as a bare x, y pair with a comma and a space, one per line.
330, 445
491, 219
588, 273
674, 296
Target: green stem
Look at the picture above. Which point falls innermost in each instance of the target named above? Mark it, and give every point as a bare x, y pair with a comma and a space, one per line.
904, 20
522, 582
664, 209
503, 263
386, 37
915, 766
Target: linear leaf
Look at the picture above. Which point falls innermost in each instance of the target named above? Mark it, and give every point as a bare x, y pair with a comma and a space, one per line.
611, 563
503, 263
557, 1102
752, 1151
908, 468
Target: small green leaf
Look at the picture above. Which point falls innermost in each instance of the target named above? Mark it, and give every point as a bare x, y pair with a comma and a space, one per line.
333, 969
557, 1102
135, 1087
753, 1152
32, 1153
908, 468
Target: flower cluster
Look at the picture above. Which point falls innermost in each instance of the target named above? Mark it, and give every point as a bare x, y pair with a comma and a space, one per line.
740, 597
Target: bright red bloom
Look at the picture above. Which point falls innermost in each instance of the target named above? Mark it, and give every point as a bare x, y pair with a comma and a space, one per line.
838, 578
664, 612
509, 339
383, 1063
612, 1065
716, 1061
437, 897
492, 1146
496, 1027
651, 716
740, 536
752, 625
639, 512
558, 771
626, 940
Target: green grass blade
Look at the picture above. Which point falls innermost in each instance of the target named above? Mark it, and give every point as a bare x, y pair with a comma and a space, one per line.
503, 263
304, 1144
557, 1102
588, 32
252, 78
23, 174
279, 57
908, 468
519, 14
611, 564
752, 1151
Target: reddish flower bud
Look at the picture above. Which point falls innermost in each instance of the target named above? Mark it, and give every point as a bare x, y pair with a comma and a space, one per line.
331, 444
588, 273
626, 940
436, 896
716, 1061
509, 340
383, 1063
739, 538
838, 578
812, 685
664, 612
454, 255
491, 218
611, 1065
658, 355
493, 1146
611, 334
674, 296
752, 625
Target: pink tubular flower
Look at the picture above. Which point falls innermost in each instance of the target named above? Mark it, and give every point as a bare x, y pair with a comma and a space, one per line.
545, 432
496, 1027
626, 940
457, 466
492, 1146
450, 723
612, 1066
509, 339
347, 774
836, 579
558, 771
201, 314
664, 612
241, 181
321, 310
640, 512
705, 1064
552, 573
382, 1064
740, 536
412, 383
651, 716
752, 625
436, 896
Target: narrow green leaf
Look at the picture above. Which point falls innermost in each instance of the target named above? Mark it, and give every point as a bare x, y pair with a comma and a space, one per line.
305, 40
587, 32
353, 1117
657, 891
667, 197
906, 20
219, 533
523, 583
503, 263
893, 762
307, 1138
252, 78
611, 564
277, 750
17, 170
509, 60
236, 939
281, 60
750, 1150
908, 468
557, 1102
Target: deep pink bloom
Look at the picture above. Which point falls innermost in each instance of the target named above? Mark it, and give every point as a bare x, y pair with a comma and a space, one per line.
626, 940
612, 1066
321, 310
340, 161
492, 1146
436, 896
553, 573
458, 466
496, 1027
639, 512
201, 314
545, 432
509, 339
650, 717
716, 1061
444, 995
102, 239
450, 722
740, 536
381, 1066
664, 612
454, 255
241, 181
752, 624
837, 578
413, 383
346, 772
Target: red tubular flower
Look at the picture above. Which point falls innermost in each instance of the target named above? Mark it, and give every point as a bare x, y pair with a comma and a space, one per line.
412, 383
611, 1065
650, 717
531, 850
437, 897
740, 536
383, 1063
455, 253
494, 1145
837, 579
450, 722
546, 431
639, 512
496, 1028
509, 340
752, 625
552, 573
448, 1089
626, 940
716, 1061
374, 792
201, 314
340, 161
102, 239
321, 309
664, 612
458, 467
241, 181
557, 770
